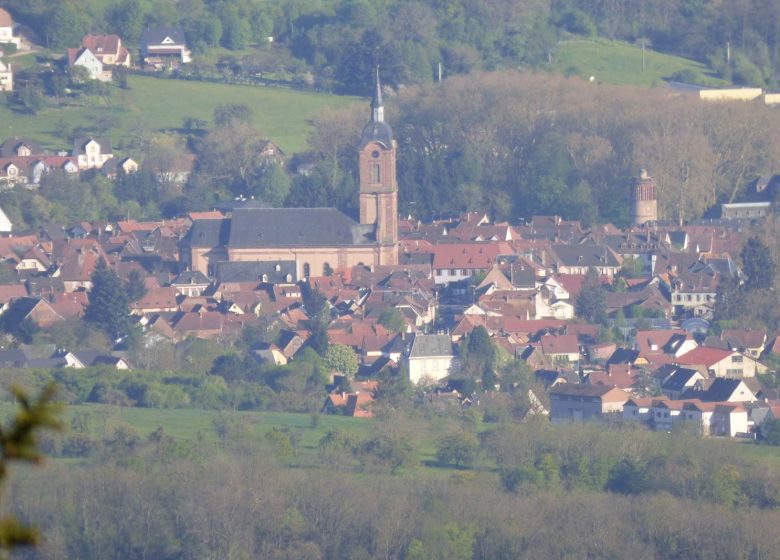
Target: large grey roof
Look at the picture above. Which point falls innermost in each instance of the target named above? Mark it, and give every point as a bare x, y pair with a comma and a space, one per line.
428, 345
156, 35
296, 227
209, 233
242, 271
587, 254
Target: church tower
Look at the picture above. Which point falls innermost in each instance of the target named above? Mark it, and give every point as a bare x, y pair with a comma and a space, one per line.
378, 186
644, 204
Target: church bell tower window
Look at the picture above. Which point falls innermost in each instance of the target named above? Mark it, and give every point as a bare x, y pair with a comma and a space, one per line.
375, 173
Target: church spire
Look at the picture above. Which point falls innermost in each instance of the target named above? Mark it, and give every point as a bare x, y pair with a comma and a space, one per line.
377, 107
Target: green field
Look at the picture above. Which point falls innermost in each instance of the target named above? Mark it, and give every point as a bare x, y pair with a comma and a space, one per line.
283, 115
619, 63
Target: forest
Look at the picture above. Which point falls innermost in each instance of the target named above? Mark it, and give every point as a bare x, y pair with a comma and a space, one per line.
337, 42
506, 491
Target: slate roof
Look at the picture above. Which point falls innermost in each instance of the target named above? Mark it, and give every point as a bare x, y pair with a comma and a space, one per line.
429, 345
79, 143
156, 36
720, 389
379, 132
208, 233
9, 147
588, 254
254, 271
295, 227
190, 278
679, 379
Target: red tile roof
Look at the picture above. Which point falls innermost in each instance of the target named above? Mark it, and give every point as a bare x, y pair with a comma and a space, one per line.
704, 356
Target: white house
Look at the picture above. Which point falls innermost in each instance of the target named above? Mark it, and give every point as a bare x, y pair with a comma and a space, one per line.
6, 77
85, 58
92, 152
7, 29
430, 357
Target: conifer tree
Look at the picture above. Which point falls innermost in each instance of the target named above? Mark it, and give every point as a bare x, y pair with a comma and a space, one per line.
108, 308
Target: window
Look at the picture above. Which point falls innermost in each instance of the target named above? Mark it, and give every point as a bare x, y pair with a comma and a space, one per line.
737, 359
306, 270
278, 268
265, 278
375, 173
289, 277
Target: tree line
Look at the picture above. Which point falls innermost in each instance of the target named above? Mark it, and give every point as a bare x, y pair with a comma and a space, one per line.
580, 492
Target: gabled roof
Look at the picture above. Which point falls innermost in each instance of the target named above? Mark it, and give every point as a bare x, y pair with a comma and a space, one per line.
593, 391
80, 143
679, 379
9, 148
296, 227
157, 36
704, 356
5, 19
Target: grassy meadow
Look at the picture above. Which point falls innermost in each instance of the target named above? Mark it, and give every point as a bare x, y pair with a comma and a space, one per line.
619, 63
283, 115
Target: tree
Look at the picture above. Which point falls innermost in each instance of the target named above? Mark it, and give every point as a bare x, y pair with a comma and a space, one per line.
458, 449
135, 286
108, 307
591, 301
771, 432
758, 265
126, 18
342, 358
392, 319
227, 115
274, 185
18, 443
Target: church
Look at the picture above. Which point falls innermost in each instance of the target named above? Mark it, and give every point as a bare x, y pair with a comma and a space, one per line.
309, 241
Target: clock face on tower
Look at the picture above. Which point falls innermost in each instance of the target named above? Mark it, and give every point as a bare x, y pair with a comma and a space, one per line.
375, 154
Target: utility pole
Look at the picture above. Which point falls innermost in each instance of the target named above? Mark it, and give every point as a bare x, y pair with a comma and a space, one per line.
643, 55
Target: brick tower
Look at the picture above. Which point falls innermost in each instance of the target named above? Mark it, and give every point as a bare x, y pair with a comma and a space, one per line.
378, 186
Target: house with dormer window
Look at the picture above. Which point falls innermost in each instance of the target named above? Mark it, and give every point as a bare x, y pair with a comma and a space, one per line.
84, 58
164, 47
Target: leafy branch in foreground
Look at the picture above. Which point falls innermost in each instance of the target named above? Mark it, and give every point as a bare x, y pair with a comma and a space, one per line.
18, 442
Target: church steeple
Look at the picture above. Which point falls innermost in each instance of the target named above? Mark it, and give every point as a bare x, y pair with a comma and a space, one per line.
377, 107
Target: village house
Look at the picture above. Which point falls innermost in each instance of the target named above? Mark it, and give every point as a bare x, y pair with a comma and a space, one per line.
454, 262
164, 47
108, 49
717, 362
82, 57
91, 153
430, 357
7, 30
577, 259
582, 403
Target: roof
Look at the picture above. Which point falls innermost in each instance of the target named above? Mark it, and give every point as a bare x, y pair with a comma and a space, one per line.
156, 36
79, 143
704, 356
579, 390
379, 132
429, 345
588, 255
295, 227
9, 147
191, 278
679, 379
256, 271
5, 19
209, 233
560, 344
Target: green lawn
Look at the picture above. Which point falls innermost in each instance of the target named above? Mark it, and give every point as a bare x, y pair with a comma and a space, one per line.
620, 63
283, 115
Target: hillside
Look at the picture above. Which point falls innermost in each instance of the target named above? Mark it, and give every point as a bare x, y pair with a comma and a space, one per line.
281, 114
619, 63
